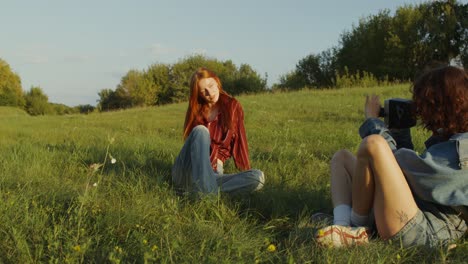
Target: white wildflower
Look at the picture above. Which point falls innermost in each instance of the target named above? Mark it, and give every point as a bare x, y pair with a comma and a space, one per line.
113, 160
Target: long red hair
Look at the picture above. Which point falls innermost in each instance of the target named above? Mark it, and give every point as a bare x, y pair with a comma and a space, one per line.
197, 104
441, 100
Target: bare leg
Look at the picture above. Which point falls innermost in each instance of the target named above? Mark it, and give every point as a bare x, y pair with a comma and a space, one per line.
342, 169
379, 183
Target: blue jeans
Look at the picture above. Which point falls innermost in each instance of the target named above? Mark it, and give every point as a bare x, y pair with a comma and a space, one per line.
192, 171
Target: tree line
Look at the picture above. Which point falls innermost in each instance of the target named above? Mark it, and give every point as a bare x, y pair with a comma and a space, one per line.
34, 101
157, 85
385, 48
169, 83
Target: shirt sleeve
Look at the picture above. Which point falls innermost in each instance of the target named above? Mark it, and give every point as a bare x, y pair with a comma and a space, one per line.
240, 148
435, 176
396, 138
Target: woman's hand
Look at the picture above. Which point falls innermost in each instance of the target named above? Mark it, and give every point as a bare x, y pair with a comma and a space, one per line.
372, 106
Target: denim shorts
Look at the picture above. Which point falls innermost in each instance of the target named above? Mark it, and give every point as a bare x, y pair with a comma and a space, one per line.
432, 226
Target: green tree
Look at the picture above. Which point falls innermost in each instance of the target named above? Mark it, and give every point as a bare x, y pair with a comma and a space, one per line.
317, 70
85, 109
11, 93
107, 100
135, 89
314, 71
362, 48
248, 81
290, 81
61, 109
441, 29
159, 75
37, 102
461, 13
403, 48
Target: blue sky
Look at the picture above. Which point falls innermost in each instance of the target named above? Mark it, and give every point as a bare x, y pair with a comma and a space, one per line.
73, 49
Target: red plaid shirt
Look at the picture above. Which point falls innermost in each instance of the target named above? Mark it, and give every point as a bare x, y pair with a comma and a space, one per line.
233, 143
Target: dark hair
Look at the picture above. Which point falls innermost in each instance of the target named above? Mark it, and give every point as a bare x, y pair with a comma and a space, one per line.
440, 96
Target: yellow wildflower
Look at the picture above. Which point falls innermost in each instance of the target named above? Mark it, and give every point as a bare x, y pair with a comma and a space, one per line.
118, 249
77, 248
320, 232
271, 248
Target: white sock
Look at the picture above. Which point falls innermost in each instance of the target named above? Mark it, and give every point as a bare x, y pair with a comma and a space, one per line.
342, 215
359, 220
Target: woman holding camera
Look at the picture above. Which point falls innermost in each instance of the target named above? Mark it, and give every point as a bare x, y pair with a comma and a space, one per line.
413, 199
213, 132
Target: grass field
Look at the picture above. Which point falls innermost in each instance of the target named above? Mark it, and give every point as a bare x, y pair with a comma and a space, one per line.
63, 200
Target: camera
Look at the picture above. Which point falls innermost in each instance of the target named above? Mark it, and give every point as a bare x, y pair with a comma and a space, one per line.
398, 113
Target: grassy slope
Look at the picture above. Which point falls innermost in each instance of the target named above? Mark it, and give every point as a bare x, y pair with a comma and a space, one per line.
56, 207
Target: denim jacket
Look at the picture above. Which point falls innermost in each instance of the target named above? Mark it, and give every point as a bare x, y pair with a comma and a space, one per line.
440, 174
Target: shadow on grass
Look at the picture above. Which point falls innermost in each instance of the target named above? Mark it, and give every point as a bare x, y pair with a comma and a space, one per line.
149, 163
282, 210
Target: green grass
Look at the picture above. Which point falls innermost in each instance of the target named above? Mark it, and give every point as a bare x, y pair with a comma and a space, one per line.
62, 200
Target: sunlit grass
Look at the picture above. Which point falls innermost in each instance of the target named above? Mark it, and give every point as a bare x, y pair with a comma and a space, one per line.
63, 199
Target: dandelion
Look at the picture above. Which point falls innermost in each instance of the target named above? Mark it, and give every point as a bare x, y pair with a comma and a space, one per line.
118, 249
77, 248
271, 248
321, 233
145, 241
154, 248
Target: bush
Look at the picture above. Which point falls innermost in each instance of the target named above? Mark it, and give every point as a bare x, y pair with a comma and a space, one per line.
359, 79
11, 93
37, 102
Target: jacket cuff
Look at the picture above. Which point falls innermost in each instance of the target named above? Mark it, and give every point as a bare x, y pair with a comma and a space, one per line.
371, 126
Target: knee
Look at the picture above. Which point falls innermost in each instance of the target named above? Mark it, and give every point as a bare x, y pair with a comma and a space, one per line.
341, 156
199, 130
371, 144
260, 178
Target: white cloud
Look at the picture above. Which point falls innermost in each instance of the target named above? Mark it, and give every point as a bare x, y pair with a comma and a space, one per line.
199, 51
77, 58
33, 58
159, 49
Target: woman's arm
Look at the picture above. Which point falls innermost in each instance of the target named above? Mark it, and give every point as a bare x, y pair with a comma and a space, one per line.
396, 138
240, 148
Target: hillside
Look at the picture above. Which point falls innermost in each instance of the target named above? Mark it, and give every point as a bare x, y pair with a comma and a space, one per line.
64, 201
6, 111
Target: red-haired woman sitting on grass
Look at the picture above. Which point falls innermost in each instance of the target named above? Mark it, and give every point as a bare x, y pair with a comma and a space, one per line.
213, 131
